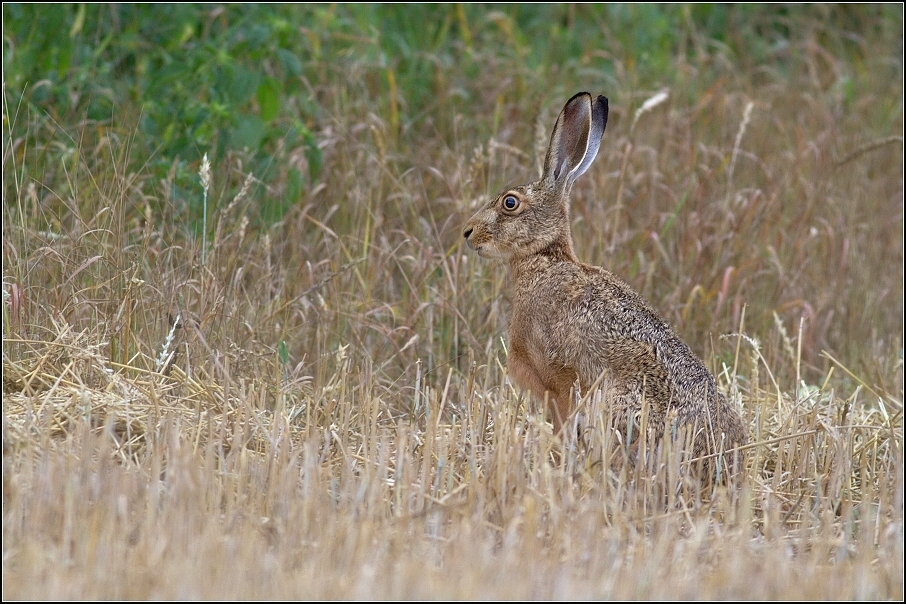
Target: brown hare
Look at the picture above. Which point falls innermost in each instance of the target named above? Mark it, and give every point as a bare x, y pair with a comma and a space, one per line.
574, 327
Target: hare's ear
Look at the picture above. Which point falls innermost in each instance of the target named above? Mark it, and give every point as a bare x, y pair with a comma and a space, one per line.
576, 138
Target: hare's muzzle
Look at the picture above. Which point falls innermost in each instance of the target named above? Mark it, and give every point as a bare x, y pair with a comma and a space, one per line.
478, 237
467, 234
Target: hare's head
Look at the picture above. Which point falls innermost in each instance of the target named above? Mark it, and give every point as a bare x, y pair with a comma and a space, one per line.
526, 219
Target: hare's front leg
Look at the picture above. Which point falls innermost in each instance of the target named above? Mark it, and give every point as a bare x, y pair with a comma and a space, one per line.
557, 391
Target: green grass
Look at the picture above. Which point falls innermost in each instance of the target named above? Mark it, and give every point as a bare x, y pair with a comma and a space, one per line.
335, 419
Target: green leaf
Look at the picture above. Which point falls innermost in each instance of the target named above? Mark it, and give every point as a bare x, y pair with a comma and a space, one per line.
269, 99
312, 154
294, 185
236, 83
64, 59
79, 22
248, 133
290, 62
283, 352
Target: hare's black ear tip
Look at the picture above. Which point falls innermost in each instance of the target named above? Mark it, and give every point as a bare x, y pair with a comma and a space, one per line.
603, 108
578, 95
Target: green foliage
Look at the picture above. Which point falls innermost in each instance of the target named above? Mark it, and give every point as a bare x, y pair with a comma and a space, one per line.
260, 80
204, 79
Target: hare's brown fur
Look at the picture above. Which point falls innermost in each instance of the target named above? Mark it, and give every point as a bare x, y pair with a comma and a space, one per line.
573, 324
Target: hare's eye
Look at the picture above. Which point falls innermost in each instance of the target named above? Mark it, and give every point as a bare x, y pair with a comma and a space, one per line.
510, 203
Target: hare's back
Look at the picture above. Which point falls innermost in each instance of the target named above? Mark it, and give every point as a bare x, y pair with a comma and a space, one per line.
624, 333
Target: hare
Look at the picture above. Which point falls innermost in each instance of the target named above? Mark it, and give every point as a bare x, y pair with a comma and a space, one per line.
575, 327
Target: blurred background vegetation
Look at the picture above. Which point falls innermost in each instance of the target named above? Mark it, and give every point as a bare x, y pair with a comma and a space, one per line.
257, 78
313, 97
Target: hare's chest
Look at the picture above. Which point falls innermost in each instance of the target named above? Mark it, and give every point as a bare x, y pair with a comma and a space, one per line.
544, 333
537, 360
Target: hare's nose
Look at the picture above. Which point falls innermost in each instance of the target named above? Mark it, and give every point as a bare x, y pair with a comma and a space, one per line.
467, 232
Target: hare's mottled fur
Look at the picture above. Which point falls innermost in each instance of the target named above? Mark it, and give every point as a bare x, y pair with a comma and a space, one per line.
575, 325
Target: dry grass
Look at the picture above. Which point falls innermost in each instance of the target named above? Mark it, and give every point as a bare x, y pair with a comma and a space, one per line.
319, 408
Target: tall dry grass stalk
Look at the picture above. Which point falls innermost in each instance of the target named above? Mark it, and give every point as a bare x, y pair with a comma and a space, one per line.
204, 175
746, 116
649, 105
